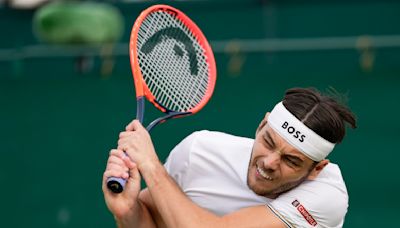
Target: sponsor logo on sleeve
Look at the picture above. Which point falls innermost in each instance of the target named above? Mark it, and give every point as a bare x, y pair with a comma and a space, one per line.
303, 211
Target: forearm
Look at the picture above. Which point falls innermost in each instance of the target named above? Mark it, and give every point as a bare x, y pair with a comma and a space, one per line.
176, 209
138, 218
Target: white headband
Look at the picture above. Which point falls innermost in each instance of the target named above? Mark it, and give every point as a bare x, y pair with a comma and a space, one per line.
298, 134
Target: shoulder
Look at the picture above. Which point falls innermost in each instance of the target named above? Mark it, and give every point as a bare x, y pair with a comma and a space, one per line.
204, 152
203, 141
218, 144
323, 201
216, 137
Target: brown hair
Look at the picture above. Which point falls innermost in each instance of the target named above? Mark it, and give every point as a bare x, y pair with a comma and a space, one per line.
321, 113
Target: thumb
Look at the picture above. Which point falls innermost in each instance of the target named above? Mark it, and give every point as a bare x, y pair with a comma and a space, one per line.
134, 173
133, 182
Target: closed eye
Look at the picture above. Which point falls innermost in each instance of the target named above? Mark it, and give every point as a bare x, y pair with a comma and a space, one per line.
268, 139
269, 144
293, 161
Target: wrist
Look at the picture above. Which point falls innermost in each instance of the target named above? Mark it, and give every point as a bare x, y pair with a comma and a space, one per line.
124, 221
149, 166
153, 173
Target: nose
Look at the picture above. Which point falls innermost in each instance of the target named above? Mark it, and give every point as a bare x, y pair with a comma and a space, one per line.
272, 161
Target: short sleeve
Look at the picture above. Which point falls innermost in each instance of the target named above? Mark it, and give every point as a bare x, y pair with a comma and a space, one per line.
178, 160
312, 204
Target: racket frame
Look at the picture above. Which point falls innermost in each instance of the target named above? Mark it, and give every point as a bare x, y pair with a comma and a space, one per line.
140, 85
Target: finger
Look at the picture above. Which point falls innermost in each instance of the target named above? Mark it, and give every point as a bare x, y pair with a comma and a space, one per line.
123, 173
126, 134
116, 160
117, 168
133, 180
129, 163
134, 173
128, 147
118, 153
128, 140
115, 173
134, 126
129, 127
124, 147
131, 156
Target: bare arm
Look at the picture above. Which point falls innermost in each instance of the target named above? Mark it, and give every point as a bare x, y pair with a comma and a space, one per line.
178, 210
146, 199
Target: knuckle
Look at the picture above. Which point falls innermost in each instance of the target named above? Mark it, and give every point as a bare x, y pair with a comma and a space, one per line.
121, 154
114, 160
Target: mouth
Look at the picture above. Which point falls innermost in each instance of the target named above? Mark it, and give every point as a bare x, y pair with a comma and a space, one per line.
263, 174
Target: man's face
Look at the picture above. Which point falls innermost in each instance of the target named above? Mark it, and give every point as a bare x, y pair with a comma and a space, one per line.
275, 165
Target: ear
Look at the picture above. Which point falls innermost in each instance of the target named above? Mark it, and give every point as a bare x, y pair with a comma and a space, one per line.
317, 169
263, 122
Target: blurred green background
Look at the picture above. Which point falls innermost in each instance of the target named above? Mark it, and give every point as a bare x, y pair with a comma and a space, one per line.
63, 107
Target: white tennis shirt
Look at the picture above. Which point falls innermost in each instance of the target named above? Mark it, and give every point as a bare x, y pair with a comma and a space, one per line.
211, 169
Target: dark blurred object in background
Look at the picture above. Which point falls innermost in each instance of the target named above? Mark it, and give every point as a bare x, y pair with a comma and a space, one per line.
81, 23
78, 23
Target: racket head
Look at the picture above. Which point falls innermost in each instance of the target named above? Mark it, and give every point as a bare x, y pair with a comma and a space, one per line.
172, 62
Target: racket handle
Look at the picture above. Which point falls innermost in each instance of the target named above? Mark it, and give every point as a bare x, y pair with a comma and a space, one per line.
140, 108
116, 184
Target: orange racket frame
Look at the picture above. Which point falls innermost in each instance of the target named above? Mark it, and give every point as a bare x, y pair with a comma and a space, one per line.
140, 85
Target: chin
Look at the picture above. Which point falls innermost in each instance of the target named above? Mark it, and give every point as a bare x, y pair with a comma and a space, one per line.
256, 186
258, 190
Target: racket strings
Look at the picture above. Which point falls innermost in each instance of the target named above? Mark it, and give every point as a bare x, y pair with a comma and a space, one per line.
175, 72
167, 97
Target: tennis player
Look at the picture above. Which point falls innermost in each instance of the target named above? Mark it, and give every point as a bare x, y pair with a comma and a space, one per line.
211, 179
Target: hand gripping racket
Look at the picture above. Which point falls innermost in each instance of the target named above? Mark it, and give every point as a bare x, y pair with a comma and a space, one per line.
173, 67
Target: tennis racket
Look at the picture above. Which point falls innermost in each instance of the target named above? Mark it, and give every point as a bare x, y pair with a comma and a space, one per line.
173, 67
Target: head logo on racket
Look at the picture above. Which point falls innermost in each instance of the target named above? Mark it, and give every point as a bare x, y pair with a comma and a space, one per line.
178, 35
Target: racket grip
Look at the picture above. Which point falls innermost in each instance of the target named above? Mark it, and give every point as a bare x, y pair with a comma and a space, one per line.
116, 184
